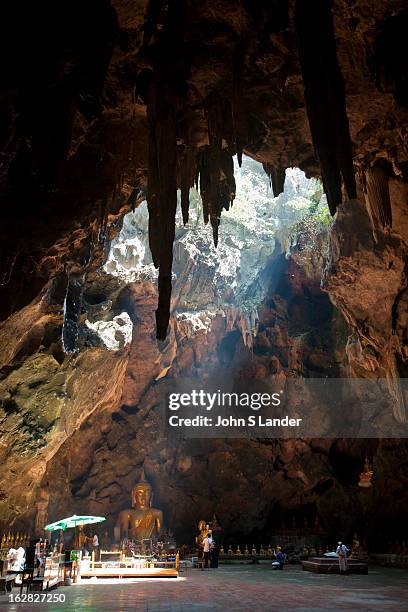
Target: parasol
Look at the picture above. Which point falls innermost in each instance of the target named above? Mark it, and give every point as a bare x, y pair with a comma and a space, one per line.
73, 521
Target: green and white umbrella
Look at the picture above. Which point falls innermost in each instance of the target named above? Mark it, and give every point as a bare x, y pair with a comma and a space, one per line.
73, 521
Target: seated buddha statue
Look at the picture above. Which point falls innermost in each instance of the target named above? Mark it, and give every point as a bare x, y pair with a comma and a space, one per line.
141, 521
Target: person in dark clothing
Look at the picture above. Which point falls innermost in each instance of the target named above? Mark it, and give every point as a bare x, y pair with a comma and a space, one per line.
215, 551
280, 557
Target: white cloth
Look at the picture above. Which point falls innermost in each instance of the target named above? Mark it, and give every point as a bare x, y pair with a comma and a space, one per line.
12, 556
16, 558
95, 541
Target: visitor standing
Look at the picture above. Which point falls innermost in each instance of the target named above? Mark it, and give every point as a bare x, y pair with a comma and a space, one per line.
206, 550
342, 552
95, 546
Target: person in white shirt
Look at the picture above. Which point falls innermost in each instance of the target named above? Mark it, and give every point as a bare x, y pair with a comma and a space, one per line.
206, 550
95, 546
341, 552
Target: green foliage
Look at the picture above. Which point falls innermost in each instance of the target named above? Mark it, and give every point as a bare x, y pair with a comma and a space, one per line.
315, 221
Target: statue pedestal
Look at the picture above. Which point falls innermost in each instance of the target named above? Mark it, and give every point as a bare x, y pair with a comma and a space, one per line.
330, 565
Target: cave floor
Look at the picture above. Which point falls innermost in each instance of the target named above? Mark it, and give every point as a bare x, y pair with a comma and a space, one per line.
237, 588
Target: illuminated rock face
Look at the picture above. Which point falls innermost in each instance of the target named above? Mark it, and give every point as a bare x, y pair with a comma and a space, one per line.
114, 334
129, 255
75, 161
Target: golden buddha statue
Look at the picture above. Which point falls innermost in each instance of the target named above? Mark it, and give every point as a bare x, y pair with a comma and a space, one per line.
202, 532
142, 521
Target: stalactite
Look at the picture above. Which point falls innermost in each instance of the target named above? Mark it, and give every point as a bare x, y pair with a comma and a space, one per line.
164, 103
187, 175
276, 178
238, 112
204, 171
218, 113
325, 97
215, 163
217, 184
72, 311
162, 193
153, 195
103, 218
378, 195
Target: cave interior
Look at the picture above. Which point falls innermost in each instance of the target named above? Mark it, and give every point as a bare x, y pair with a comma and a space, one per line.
127, 129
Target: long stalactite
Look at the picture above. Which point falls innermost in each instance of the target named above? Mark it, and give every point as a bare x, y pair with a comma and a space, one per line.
276, 178
325, 97
164, 100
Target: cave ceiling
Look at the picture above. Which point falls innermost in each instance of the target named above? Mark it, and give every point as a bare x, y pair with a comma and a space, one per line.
102, 102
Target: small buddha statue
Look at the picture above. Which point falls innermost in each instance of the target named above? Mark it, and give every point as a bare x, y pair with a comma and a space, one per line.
366, 475
142, 521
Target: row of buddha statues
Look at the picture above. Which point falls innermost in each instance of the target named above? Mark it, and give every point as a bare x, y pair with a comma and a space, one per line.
268, 551
357, 550
262, 552
14, 540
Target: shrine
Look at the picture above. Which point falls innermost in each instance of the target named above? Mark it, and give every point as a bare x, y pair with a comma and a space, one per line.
138, 550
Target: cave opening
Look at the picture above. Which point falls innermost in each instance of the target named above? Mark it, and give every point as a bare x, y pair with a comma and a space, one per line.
234, 276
